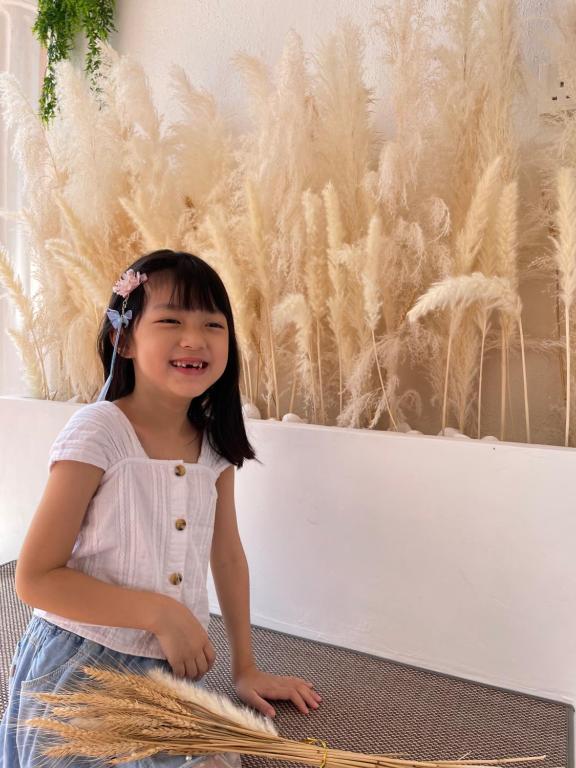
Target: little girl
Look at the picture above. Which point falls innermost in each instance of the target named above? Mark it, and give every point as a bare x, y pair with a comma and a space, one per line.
139, 498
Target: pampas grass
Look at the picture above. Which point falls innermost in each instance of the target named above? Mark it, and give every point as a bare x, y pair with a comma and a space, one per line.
470, 238
344, 130
294, 310
120, 717
26, 339
371, 280
460, 292
265, 288
316, 218
565, 257
315, 278
457, 294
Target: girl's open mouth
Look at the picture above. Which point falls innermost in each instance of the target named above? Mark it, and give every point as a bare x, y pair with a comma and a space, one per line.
189, 367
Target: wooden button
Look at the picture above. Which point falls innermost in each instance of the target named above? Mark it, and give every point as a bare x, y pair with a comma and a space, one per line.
175, 578
179, 470
180, 524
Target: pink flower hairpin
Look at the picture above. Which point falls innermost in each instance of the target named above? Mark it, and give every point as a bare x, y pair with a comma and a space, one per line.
124, 287
128, 282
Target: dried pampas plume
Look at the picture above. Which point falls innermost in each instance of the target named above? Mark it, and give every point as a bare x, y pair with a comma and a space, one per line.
294, 309
565, 258
460, 292
457, 294
25, 339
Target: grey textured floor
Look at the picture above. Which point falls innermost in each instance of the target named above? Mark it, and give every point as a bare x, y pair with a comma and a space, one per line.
371, 705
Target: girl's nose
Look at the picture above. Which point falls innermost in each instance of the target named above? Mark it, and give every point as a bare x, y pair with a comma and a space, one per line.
193, 339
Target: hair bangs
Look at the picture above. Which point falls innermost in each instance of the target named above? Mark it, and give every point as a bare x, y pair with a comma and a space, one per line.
195, 286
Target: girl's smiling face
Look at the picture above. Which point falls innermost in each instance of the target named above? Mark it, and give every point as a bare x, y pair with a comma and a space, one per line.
176, 351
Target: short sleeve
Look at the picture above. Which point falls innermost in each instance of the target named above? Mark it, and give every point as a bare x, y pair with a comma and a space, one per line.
213, 459
220, 464
87, 438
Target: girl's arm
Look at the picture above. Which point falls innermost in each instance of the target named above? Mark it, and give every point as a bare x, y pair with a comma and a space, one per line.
230, 573
42, 578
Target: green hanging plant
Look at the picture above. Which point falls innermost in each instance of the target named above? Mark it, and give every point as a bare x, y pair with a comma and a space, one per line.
56, 26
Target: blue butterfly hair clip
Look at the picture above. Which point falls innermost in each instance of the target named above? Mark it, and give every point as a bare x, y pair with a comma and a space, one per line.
117, 319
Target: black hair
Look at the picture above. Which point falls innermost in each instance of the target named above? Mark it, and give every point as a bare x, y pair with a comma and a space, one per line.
218, 411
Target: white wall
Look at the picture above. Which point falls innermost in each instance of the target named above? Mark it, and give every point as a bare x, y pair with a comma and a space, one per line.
203, 36
450, 554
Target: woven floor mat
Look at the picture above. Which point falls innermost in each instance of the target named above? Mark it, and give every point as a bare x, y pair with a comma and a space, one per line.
369, 704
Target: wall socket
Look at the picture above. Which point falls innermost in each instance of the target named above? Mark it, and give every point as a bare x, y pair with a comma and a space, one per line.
557, 93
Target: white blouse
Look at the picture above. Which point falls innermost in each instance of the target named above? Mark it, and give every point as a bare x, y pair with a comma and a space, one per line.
148, 526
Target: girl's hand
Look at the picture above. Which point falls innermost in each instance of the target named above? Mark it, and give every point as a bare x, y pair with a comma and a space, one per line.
183, 639
254, 687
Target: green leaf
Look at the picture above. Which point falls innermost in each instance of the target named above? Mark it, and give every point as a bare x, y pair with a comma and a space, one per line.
57, 24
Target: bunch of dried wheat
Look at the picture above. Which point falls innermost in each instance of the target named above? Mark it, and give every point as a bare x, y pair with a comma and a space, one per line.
120, 717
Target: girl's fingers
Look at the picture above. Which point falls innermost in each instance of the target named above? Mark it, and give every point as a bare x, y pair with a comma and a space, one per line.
307, 683
313, 692
178, 669
256, 701
210, 654
201, 665
191, 669
307, 690
309, 697
299, 702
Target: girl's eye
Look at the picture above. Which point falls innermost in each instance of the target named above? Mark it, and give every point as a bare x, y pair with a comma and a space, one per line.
211, 324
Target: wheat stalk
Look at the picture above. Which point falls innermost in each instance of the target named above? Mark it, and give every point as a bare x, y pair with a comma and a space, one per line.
120, 716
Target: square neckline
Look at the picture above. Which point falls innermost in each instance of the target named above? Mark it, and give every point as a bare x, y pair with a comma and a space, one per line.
140, 447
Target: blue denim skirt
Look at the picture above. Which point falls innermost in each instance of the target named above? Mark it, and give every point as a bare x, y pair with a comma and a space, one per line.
48, 658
